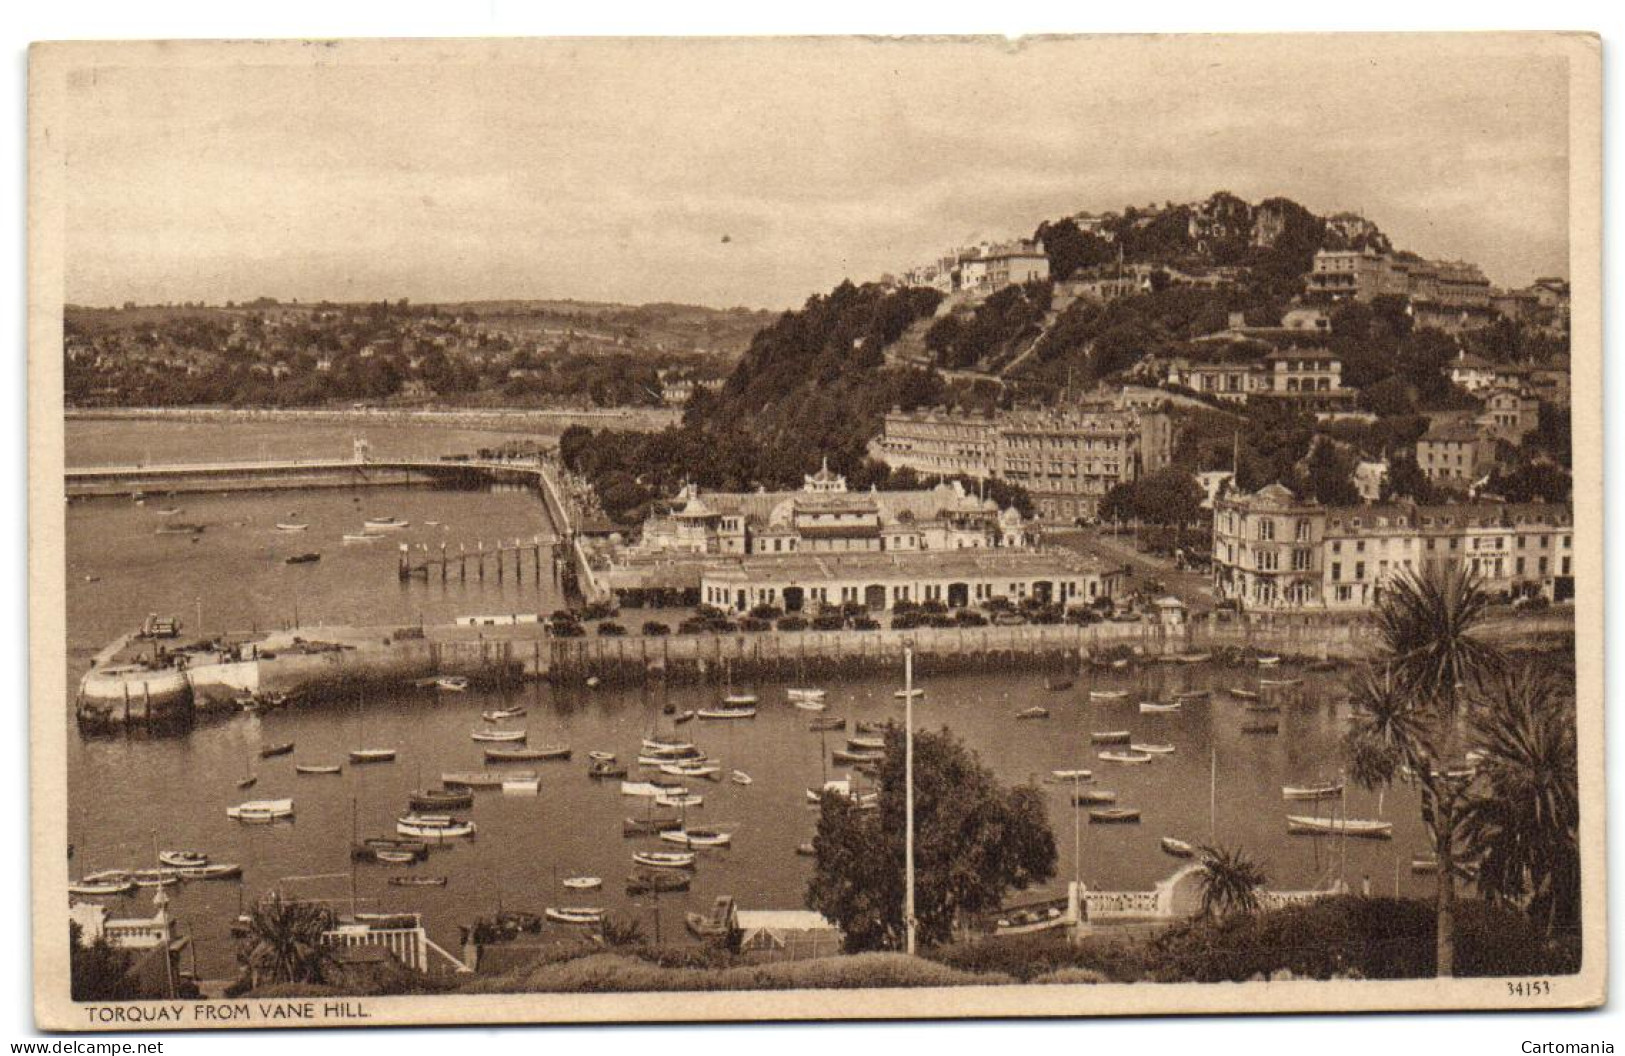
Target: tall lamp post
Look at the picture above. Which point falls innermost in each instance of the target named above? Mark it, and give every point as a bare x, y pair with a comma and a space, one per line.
908, 794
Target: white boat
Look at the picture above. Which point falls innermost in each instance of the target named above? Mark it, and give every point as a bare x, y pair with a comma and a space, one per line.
673, 749
731, 711
433, 827
261, 810
372, 755
314, 768
291, 526
1330, 790
810, 705
707, 770
583, 883
574, 915
385, 524
598, 756
1303, 825
1152, 749
655, 762
452, 683
739, 700
807, 694
1033, 713
902, 694
866, 744
647, 788
739, 777
216, 871
680, 799
502, 714
499, 736
155, 877
1108, 695
1126, 757
697, 837
1072, 775
361, 537
182, 859
1151, 707
522, 786
1267, 661
1280, 683
1178, 848
665, 859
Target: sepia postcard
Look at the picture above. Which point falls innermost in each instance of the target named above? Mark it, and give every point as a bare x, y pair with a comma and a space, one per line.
615, 530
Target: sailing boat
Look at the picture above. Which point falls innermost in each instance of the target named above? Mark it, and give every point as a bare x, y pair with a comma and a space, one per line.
363, 754
249, 778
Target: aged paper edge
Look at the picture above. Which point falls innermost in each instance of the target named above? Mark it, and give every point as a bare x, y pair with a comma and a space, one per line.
54, 1010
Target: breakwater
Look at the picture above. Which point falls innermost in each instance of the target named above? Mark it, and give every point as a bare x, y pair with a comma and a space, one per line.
323, 663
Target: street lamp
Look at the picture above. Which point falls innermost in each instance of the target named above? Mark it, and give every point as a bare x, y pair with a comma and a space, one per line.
908, 793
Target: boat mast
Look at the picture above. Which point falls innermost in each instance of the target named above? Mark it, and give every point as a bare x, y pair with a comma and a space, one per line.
908, 785
1213, 795
353, 838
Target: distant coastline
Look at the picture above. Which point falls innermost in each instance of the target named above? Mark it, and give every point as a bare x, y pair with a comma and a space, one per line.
496, 418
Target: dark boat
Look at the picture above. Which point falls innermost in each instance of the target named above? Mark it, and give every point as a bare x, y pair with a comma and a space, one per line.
649, 826
871, 727
1056, 685
1114, 816
657, 880
603, 769
304, 559
437, 799
368, 850
527, 755
826, 722
285, 748
1261, 727
687, 716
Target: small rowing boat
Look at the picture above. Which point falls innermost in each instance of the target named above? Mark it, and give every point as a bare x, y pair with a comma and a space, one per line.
1111, 736
431, 800
1177, 848
848, 757
361, 537
665, 859
499, 736
372, 755
599, 756
805, 695
1425, 866
1106, 696
312, 768
1071, 775
682, 717
583, 883
1242, 694
682, 799
1329, 790
385, 524
291, 526
417, 881
730, 711
502, 714
271, 750
1280, 683
1264, 728
866, 744
578, 915
261, 810
671, 749
111, 883
371, 850
739, 700
650, 826
452, 684
182, 859
603, 769
1267, 660
460, 779
548, 752
1093, 796
1152, 749
739, 777
646, 789
1126, 757
155, 877
1151, 707
309, 558
1195, 658
1360, 828
824, 723
902, 694
1033, 713
1114, 816
522, 786
434, 826
697, 837
214, 871
709, 771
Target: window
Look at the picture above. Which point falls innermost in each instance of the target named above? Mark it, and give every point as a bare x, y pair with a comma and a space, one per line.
1300, 560
1266, 529
1302, 532
1337, 570
1267, 560
1359, 570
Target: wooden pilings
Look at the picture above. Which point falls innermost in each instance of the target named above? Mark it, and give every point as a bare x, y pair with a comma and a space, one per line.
520, 551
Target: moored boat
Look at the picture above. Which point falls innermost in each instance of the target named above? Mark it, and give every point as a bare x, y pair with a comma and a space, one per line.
1126, 757
728, 711
417, 881
824, 723
805, 694
370, 849
902, 694
602, 769
1058, 685
656, 880
372, 755
1195, 658
739, 777
740, 700
646, 788
1362, 828
434, 826
272, 750
709, 771
580, 915
715, 924
155, 877
522, 786
546, 752
1267, 660
502, 714
1328, 790
1033, 713
362, 537
1152, 749
102, 885
314, 768
1264, 728
583, 883
431, 800
292, 526
1072, 775
210, 871
1092, 796
1106, 696
385, 524
1242, 694
1111, 736
866, 744
308, 558
697, 837
1194, 694
847, 756
452, 684
476, 778
682, 717
665, 859
671, 749
1425, 866
680, 799
261, 810
1114, 816
650, 826
1151, 707
182, 859
1279, 683
498, 736
1177, 848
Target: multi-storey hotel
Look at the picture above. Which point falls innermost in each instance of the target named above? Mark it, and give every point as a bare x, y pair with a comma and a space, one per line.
1275, 552
1067, 459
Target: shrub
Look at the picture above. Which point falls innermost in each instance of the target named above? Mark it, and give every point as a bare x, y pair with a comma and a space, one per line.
765, 611
793, 623
865, 623
610, 629
1028, 957
970, 618
568, 630
621, 972
828, 621
655, 629
597, 610
1071, 976
754, 624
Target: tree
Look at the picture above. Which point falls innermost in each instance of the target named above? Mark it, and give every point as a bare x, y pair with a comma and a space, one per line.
974, 840
1169, 497
97, 970
1230, 882
1329, 475
1522, 824
1406, 480
1408, 702
284, 943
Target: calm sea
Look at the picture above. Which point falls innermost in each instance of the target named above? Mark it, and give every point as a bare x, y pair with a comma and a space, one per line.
130, 794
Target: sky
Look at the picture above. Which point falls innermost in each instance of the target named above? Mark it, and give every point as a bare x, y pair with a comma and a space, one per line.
612, 170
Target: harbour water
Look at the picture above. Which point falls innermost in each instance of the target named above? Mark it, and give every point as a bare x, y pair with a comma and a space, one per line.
132, 793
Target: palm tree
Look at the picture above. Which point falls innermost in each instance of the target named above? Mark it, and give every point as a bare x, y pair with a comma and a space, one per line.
284, 943
1408, 704
1522, 822
1230, 881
